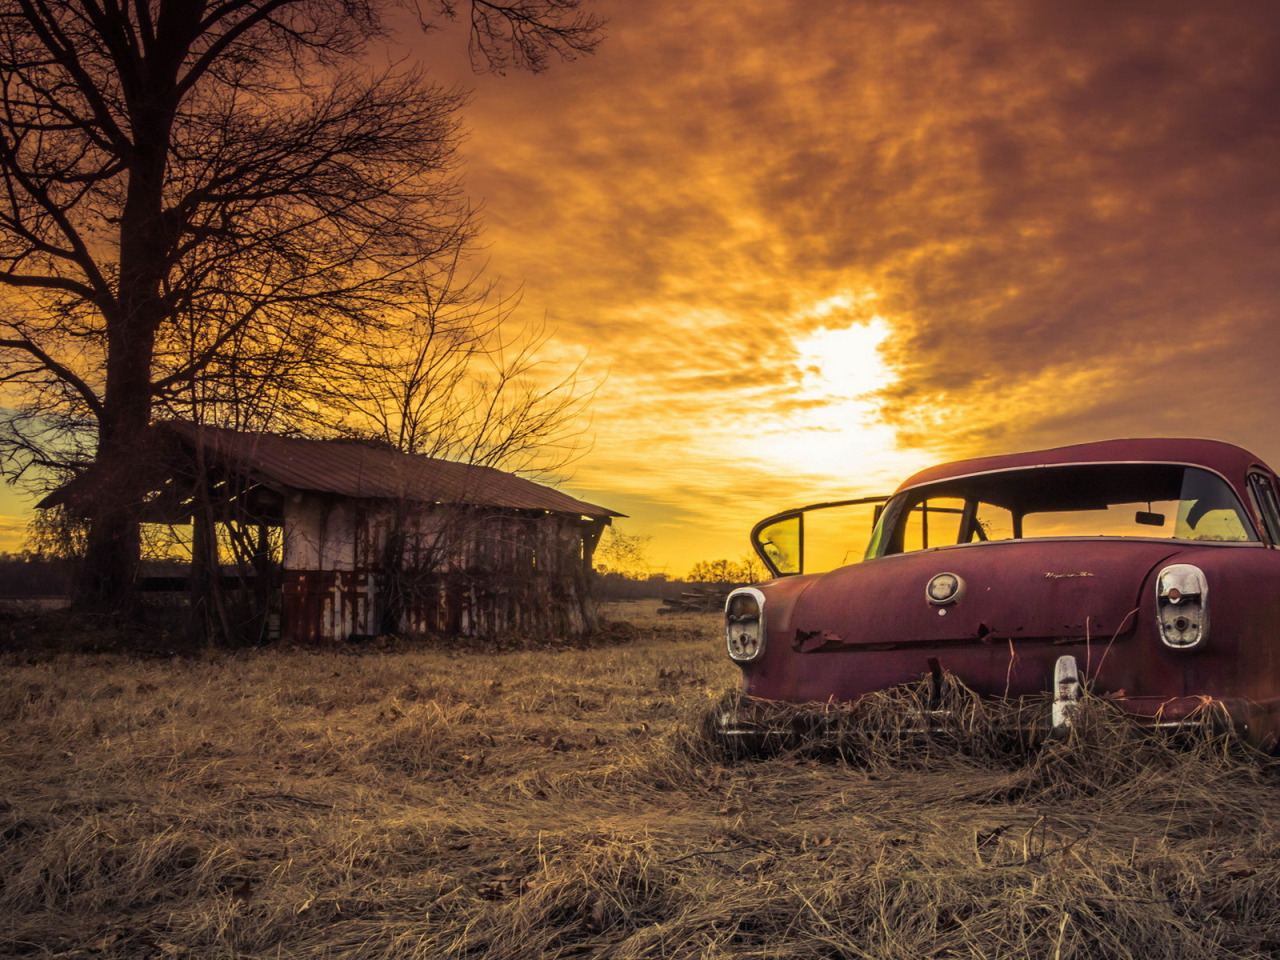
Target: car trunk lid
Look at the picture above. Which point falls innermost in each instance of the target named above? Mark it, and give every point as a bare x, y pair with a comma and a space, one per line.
1012, 591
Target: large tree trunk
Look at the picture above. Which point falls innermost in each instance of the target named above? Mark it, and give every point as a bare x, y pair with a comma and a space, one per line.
109, 572
108, 580
108, 577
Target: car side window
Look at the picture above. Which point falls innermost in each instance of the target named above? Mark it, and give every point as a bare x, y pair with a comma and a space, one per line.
1264, 495
933, 523
779, 544
992, 523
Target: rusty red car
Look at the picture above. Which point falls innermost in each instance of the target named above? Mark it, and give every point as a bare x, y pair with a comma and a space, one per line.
1142, 571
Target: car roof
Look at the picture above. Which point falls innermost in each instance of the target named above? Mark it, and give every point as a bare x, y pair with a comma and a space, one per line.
1225, 458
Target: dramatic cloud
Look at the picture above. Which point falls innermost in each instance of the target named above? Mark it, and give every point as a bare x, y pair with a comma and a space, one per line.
816, 246
1063, 216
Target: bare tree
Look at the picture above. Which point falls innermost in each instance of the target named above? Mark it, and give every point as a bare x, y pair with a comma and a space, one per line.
623, 554
202, 202
461, 378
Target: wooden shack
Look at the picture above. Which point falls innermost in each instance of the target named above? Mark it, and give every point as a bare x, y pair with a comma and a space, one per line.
314, 541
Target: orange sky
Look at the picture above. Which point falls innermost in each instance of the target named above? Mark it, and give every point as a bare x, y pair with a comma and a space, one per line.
810, 248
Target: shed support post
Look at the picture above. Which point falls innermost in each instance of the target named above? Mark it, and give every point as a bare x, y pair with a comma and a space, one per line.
203, 569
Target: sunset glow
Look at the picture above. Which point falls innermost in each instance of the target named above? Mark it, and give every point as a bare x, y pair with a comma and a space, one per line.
833, 422
804, 252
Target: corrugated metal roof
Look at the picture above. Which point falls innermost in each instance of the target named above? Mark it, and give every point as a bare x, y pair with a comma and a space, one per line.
366, 472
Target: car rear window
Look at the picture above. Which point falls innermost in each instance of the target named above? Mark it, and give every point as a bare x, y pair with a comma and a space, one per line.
1078, 500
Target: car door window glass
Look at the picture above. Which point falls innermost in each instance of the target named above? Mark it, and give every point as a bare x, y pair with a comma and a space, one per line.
992, 523
779, 543
933, 523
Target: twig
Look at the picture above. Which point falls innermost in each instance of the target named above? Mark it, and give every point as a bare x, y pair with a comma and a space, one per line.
715, 853
283, 796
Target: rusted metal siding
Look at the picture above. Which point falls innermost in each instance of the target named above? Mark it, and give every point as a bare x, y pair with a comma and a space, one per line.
362, 568
325, 605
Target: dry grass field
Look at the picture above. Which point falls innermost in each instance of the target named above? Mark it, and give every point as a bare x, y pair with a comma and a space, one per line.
440, 803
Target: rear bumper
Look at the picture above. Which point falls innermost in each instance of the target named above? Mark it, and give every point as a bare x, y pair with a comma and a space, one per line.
1254, 722
753, 725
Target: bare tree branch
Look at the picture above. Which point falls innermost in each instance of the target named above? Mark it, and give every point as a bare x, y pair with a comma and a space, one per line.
205, 206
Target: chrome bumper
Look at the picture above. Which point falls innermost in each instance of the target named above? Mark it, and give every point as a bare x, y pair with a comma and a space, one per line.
767, 726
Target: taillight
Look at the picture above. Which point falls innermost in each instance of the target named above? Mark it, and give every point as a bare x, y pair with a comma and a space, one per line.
1182, 606
744, 624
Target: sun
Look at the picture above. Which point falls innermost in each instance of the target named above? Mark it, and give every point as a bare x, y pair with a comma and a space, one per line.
844, 363
830, 426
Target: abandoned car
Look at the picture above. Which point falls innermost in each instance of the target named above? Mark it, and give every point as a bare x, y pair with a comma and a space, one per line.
1144, 572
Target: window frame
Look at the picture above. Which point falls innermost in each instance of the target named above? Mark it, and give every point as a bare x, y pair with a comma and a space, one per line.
1262, 492
893, 511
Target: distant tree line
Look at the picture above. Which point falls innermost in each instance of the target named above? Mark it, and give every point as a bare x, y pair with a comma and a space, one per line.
624, 572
